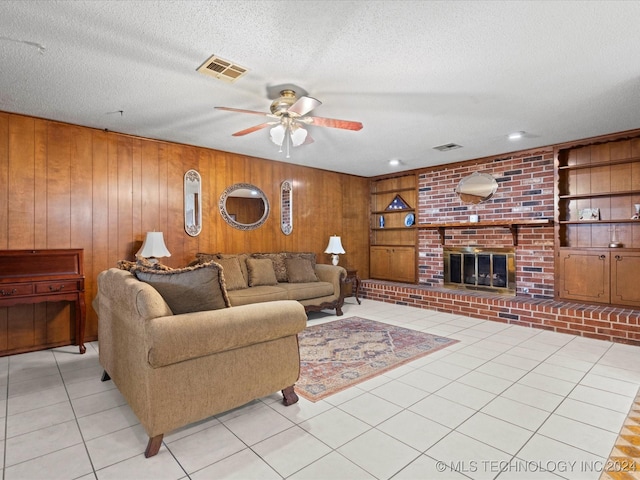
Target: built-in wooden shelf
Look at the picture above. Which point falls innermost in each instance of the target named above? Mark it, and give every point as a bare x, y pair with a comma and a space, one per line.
578, 222
512, 225
620, 161
598, 194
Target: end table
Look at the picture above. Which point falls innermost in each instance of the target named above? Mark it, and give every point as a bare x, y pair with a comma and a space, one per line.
353, 279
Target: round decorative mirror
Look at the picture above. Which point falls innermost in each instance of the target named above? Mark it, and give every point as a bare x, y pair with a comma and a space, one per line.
476, 188
244, 206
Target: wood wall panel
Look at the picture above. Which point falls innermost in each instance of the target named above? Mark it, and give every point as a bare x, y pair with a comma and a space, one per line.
66, 186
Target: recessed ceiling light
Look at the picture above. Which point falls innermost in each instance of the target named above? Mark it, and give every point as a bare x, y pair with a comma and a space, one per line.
516, 135
394, 162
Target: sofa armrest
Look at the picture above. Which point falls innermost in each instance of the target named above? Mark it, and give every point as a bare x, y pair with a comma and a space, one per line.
178, 338
331, 273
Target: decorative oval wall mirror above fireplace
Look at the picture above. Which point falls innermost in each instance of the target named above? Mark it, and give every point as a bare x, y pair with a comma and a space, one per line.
244, 206
476, 188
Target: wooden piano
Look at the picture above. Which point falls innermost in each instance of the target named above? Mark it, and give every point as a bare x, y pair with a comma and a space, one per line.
34, 276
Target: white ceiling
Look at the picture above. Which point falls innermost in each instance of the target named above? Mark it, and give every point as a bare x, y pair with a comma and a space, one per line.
417, 74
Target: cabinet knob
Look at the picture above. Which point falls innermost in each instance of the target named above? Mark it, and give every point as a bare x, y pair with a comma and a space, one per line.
618, 257
602, 257
6, 293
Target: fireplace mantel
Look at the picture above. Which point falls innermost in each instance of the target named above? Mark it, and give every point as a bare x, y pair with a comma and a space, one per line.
512, 225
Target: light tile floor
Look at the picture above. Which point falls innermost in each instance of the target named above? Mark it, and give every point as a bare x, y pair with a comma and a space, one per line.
505, 402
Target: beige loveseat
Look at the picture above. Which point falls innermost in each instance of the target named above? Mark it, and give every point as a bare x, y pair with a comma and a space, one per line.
175, 369
264, 277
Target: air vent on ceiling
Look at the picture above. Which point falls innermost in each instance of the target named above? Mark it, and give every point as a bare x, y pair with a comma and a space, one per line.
447, 147
222, 69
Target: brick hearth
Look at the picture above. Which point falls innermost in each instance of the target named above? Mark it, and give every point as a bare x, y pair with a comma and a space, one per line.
593, 321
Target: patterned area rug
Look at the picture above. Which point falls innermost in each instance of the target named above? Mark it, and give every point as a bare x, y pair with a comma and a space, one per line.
624, 461
339, 354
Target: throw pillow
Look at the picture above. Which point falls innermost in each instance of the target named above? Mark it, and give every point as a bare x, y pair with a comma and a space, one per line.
300, 270
261, 272
206, 257
233, 278
189, 289
242, 259
308, 255
278, 264
141, 262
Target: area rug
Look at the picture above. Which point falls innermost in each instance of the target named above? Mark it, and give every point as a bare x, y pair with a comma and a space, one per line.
339, 354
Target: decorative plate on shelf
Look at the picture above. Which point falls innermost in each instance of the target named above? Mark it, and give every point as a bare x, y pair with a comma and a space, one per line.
409, 219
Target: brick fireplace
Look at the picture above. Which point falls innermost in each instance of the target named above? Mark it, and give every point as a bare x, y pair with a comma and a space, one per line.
525, 192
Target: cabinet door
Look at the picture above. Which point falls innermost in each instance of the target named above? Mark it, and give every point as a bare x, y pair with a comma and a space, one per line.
584, 275
624, 271
379, 262
403, 264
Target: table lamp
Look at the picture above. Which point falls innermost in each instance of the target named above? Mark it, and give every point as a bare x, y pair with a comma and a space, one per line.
334, 248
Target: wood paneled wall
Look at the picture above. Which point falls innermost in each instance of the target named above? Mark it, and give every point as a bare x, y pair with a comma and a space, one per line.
67, 186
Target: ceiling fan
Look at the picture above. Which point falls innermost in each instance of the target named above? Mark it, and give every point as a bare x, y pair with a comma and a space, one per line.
289, 117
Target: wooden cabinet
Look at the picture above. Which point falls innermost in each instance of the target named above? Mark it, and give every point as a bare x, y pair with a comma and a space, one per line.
599, 275
625, 267
584, 275
397, 264
597, 236
393, 229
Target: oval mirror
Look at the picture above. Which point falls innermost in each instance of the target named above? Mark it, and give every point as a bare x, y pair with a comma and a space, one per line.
244, 206
476, 188
286, 207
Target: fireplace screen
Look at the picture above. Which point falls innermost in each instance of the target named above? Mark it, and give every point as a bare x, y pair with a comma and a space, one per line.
475, 268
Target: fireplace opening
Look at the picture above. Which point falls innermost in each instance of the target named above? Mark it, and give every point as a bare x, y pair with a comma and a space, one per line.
476, 268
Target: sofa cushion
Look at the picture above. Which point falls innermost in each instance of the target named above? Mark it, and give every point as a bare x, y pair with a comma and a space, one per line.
300, 270
263, 293
189, 289
305, 291
233, 278
261, 272
279, 266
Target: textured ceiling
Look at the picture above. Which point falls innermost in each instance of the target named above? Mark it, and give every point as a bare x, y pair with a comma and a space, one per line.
417, 74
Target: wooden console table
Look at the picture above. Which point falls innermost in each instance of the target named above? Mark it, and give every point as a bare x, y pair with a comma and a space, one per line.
35, 276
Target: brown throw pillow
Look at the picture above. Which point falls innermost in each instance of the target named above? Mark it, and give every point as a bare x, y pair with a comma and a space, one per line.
278, 264
308, 255
141, 263
242, 259
189, 289
300, 270
261, 272
233, 278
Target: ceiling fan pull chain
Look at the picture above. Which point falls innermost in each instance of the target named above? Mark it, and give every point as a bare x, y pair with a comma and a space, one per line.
287, 136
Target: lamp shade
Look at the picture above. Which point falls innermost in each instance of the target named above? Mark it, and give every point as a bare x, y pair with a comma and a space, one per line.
335, 245
153, 246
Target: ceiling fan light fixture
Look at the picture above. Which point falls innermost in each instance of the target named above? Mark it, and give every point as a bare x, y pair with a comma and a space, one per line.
515, 135
276, 134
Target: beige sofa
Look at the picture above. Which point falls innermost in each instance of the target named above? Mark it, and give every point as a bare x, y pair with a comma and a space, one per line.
175, 369
288, 276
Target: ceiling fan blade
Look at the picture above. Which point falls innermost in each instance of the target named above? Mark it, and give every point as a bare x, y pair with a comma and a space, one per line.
240, 110
334, 123
253, 129
304, 105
